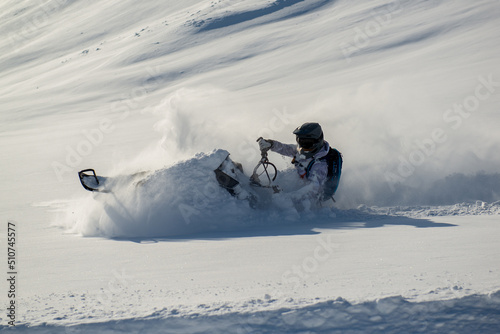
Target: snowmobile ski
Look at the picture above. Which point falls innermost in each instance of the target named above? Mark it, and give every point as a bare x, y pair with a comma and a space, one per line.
105, 184
91, 182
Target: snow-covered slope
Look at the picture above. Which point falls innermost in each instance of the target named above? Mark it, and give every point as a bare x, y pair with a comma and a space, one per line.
408, 91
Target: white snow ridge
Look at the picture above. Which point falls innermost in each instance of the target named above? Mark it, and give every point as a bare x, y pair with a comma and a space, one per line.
408, 91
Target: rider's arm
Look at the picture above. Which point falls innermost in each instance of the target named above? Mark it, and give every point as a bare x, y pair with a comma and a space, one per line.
284, 149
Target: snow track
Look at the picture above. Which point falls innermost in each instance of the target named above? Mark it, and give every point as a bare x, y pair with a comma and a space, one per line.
472, 314
461, 209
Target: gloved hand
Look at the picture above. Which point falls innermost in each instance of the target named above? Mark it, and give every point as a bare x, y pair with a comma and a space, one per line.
264, 144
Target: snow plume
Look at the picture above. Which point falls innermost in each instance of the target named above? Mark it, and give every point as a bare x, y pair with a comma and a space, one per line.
205, 118
179, 200
397, 152
189, 123
182, 199
398, 142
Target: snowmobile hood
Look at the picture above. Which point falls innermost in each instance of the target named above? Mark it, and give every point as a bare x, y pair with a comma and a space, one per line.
216, 158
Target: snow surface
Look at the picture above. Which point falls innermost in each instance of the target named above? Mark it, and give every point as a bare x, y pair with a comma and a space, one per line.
408, 91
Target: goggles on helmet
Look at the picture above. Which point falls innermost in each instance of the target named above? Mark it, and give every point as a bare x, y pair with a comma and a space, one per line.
307, 143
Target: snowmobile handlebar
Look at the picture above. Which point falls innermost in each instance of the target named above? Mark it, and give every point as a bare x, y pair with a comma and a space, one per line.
270, 174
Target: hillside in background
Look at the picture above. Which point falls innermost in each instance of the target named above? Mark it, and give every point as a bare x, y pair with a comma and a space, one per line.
408, 91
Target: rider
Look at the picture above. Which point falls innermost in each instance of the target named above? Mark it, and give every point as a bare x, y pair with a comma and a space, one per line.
310, 160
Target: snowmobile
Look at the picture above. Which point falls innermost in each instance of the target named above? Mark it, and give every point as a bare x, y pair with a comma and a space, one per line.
229, 175
256, 189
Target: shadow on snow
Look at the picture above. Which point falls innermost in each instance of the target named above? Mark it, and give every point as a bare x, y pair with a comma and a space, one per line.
349, 219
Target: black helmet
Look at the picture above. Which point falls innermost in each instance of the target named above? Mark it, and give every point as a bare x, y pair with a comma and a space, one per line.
309, 138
